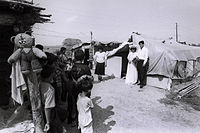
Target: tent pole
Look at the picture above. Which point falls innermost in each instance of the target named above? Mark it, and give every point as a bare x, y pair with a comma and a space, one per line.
176, 32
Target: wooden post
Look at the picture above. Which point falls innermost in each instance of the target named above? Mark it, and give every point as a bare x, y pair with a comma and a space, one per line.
91, 52
35, 99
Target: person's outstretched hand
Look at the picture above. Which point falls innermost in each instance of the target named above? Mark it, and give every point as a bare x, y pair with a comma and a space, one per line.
46, 127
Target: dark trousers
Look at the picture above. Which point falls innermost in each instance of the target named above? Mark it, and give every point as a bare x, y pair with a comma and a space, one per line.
142, 72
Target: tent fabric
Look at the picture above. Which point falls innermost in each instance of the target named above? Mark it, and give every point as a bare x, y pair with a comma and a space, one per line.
159, 81
164, 56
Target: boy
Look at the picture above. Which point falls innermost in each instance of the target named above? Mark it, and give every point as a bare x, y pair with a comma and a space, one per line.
79, 69
59, 111
47, 93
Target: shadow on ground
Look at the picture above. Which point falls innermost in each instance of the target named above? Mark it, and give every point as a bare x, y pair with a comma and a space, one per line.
167, 101
104, 78
101, 117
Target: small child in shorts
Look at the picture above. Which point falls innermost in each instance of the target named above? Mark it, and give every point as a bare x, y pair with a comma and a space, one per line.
84, 104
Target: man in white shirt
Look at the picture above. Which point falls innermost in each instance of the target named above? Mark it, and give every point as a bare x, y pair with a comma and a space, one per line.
143, 64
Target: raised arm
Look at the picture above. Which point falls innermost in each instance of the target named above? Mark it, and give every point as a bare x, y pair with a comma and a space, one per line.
112, 52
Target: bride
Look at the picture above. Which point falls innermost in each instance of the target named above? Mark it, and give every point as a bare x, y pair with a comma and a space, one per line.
132, 74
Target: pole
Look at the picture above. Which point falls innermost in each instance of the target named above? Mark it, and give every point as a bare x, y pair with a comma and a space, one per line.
91, 35
91, 52
176, 32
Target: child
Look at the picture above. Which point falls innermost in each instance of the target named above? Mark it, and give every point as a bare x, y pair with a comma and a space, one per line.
47, 93
79, 69
84, 104
59, 112
61, 55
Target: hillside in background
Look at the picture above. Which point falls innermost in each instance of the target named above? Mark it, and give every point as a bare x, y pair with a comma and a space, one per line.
52, 49
68, 43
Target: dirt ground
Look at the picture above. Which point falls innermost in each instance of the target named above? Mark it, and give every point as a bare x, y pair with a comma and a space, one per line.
121, 108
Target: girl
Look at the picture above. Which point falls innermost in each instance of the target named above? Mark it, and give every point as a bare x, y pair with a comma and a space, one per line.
84, 104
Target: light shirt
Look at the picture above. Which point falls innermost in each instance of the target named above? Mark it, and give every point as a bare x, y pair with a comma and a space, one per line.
47, 95
143, 54
100, 57
84, 105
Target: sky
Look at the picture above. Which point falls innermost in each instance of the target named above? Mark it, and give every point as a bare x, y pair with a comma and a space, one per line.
115, 20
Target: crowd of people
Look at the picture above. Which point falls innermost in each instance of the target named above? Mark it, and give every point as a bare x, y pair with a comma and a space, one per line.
65, 88
65, 85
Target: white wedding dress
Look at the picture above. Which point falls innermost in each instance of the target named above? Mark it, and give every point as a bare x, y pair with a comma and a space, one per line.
131, 74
